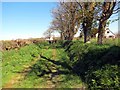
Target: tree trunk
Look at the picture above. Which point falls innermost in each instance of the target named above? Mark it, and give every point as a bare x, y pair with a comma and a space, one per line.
108, 8
101, 30
61, 36
85, 36
100, 34
85, 31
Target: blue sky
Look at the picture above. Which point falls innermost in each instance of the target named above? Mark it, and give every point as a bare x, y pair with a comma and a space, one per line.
29, 19
25, 20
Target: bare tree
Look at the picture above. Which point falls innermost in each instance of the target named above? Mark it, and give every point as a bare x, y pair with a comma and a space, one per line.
58, 22
48, 33
107, 11
69, 16
87, 10
66, 20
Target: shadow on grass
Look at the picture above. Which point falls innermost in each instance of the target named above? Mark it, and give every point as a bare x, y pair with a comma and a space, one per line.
99, 68
63, 64
86, 67
98, 58
47, 45
48, 68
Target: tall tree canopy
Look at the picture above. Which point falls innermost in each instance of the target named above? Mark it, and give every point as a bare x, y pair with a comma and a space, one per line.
68, 17
107, 11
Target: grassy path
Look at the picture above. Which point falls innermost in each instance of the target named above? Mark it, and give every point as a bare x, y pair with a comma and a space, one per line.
49, 72
50, 83
16, 63
42, 66
54, 54
21, 75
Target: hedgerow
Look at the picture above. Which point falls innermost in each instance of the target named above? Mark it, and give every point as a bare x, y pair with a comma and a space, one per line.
97, 65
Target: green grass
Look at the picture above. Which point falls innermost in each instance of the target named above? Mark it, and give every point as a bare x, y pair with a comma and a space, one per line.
14, 61
82, 65
32, 80
67, 79
97, 65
